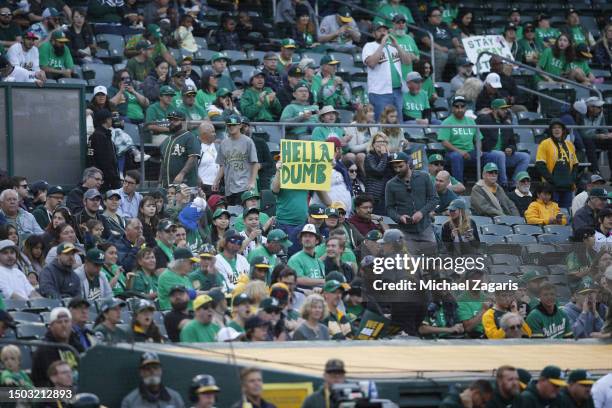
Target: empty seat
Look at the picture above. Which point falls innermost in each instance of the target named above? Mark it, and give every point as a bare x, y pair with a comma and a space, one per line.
14, 304
500, 278
44, 304
245, 71
346, 60
509, 220
558, 270
444, 90
551, 238
235, 55
111, 42
440, 219
527, 229
101, 73
480, 220
538, 268
494, 229
520, 239
558, 229
25, 317
30, 331
75, 81
492, 239
524, 135
525, 118
503, 270
505, 259
346, 116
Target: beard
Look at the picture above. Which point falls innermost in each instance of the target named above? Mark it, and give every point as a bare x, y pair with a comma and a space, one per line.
58, 50
524, 189
400, 32
175, 128
180, 306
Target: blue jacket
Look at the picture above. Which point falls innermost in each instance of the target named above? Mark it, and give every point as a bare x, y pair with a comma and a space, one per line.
126, 252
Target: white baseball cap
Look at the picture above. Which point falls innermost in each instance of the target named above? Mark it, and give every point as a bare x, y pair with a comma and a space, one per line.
595, 101
228, 334
7, 243
494, 80
100, 89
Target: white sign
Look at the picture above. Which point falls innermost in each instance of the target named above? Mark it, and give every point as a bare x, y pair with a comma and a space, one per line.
476, 44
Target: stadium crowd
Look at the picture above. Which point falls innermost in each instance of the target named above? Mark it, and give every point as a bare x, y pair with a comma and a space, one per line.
219, 250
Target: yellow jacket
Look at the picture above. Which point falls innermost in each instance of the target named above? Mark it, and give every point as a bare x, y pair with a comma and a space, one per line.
549, 154
492, 330
539, 213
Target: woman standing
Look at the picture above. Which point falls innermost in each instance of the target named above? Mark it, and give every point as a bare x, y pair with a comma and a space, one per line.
314, 310
378, 171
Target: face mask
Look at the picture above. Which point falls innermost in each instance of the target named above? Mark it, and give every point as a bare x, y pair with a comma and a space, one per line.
152, 380
175, 128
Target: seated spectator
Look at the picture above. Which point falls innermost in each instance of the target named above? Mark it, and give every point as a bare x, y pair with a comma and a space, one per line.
313, 311
92, 178
192, 111
24, 54
580, 69
460, 233
529, 47
125, 99
184, 35
156, 117
504, 303
472, 304
395, 135
106, 327
13, 375
304, 31
219, 63
13, 281
62, 233
223, 106
299, 111
260, 103
337, 323
508, 90
47, 21
416, 107
271, 73
327, 115
358, 138
176, 318
580, 200
378, 170
510, 38
441, 320
128, 244
603, 50
582, 262
81, 39
156, 11
153, 34
44, 212
578, 34
226, 35
392, 9
521, 196
144, 329
58, 279
132, 15
556, 59
436, 165
544, 32
156, 79
464, 71
142, 64
489, 198
557, 163
423, 67
288, 12
513, 326
287, 56
207, 93
584, 312
587, 215
94, 285
10, 31
543, 211
363, 219
24, 221
442, 183
490, 92
462, 26
310, 269
34, 249
55, 58
547, 320
105, 12
327, 88
339, 31
447, 47
596, 138
603, 233
201, 329
356, 180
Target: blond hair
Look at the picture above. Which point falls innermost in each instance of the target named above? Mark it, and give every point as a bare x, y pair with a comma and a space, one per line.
378, 135
306, 308
256, 291
471, 89
394, 132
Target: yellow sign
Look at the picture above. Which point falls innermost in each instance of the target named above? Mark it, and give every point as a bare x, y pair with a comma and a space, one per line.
287, 395
306, 165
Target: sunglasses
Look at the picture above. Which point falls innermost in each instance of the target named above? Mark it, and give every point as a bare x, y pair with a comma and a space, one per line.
235, 240
352, 170
5, 14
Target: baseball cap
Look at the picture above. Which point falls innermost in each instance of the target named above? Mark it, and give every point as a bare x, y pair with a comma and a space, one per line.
111, 303
176, 115
64, 248
400, 157
278, 235
149, 358
334, 366
374, 235
328, 60
332, 212
219, 212
143, 45
391, 236
207, 251
367, 260
100, 89
345, 14
570, 11
499, 104
510, 26
223, 92
95, 256
260, 262
50, 190
489, 167
583, 50
532, 275
333, 285
233, 120
598, 192
379, 24
270, 55
594, 101
7, 243
224, 335
217, 295
219, 56
288, 43
189, 89
167, 90
398, 18
524, 378
414, 76
201, 300
594, 179
241, 299
542, 16
581, 377
177, 288
456, 204
585, 286
78, 302
270, 304
580, 106
310, 229
256, 73
39, 185
522, 175
165, 225
184, 253
327, 109
254, 322
458, 99
249, 210
295, 71
494, 80
247, 195
463, 61
316, 211
339, 205
234, 235
301, 84
554, 375
111, 193
434, 158
143, 304
154, 30
59, 312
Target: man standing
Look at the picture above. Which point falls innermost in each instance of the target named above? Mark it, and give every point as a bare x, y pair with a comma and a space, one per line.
547, 319
22, 220
251, 382
545, 390
180, 153
259, 102
44, 213
94, 285
405, 40
92, 178
58, 280
521, 196
383, 58
130, 198
25, 54
310, 269
13, 282
201, 329
156, 117
55, 58
237, 158
101, 151
151, 391
410, 197
141, 63
334, 374
502, 142
489, 198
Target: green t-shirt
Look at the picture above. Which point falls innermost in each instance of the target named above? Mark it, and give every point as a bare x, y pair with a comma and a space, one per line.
582, 64
144, 283
194, 112
11, 33
414, 105
554, 326
578, 35
130, 108
409, 45
323, 93
460, 137
205, 282
176, 150
139, 70
205, 99
156, 113
119, 287
226, 82
196, 332
390, 11
428, 86
20, 379
47, 57
261, 250
291, 207
544, 34
167, 280
469, 307
347, 256
449, 14
291, 113
307, 266
437, 320
551, 64
320, 134
239, 221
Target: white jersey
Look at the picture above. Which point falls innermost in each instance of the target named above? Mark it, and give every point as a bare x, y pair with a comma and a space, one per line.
18, 57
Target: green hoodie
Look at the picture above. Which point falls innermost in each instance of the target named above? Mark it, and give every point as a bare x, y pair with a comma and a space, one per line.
257, 111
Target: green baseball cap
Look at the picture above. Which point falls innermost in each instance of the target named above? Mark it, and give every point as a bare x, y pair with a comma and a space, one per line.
524, 378
499, 104
247, 195
184, 253
335, 275
586, 286
598, 192
374, 235
328, 60
154, 30
111, 303
489, 167
143, 45
288, 43
219, 56
435, 158
260, 262
332, 212
233, 120
345, 14
59, 36
279, 236
175, 114
532, 275
333, 285
95, 256
554, 375
167, 90
223, 92
581, 377
219, 212
317, 211
522, 175
399, 157
66, 248
456, 205
302, 84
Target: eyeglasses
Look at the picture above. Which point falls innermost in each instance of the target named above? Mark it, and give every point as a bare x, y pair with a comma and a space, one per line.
352, 170
129, 182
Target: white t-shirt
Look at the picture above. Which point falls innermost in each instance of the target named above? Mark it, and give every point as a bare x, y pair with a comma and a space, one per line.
579, 201
602, 241
14, 281
20, 75
602, 392
208, 167
338, 192
19, 58
379, 77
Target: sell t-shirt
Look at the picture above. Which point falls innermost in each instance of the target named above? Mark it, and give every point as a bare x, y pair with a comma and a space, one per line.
551, 64
460, 137
414, 105
48, 58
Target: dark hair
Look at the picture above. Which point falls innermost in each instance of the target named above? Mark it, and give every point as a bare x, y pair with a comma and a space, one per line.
117, 77
469, 29
419, 66
581, 233
104, 246
363, 198
65, 213
159, 60
154, 219
94, 107
432, 9
245, 372
569, 53
57, 231
4, 230
135, 174
30, 243
16, 181
152, 332
547, 286
543, 188
482, 386
280, 271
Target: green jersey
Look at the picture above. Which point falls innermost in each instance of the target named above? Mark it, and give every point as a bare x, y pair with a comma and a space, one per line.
20, 379
292, 113
159, 48
156, 113
409, 45
460, 137
528, 49
130, 108
389, 11
307, 266
437, 320
261, 250
176, 150
414, 105
205, 99
428, 86
205, 281
468, 307
328, 94
48, 58
234, 325
144, 283
194, 112
552, 326
120, 286
196, 332
291, 207
320, 134
579, 35
139, 70
167, 280
551, 64
582, 64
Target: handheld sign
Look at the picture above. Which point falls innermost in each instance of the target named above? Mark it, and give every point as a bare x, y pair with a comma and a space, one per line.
494, 44
306, 165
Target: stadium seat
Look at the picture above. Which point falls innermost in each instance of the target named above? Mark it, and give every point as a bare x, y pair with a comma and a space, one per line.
440, 219
440, 104
480, 220
558, 270
204, 55
73, 81
499, 278
257, 55
443, 90
201, 42
524, 135
520, 239
111, 41
558, 280
563, 294
31, 331
102, 73
346, 116
542, 253
44, 316
509, 220
505, 259
25, 317
235, 55
492, 239
44, 304
15, 304
26, 356
530, 148
245, 71
552, 238
119, 66
527, 229
538, 268
525, 118
503, 270
565, 230
494, 229
346, 60
274, 147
